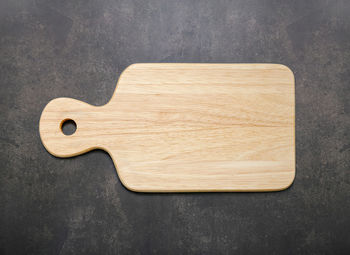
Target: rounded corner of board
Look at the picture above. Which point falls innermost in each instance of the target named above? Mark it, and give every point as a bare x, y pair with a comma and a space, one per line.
288, 183
288, 69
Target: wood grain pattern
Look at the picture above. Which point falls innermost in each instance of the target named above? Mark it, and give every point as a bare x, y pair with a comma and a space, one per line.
188, 127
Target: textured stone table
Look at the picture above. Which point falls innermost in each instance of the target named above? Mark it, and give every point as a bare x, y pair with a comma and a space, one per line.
77, 49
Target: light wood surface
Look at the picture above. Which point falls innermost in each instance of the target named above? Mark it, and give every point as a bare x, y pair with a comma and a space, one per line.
188, 127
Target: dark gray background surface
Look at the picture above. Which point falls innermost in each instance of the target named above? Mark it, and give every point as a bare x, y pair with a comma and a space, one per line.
77, 49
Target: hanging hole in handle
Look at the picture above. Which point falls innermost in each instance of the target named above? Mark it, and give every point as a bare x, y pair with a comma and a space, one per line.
68, 126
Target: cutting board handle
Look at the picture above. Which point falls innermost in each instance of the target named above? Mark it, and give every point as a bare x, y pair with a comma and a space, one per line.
87, 122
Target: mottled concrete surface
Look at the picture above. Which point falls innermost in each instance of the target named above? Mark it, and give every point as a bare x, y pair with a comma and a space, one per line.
77, 49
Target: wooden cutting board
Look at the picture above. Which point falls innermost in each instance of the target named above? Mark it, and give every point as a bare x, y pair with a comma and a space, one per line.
187, 127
